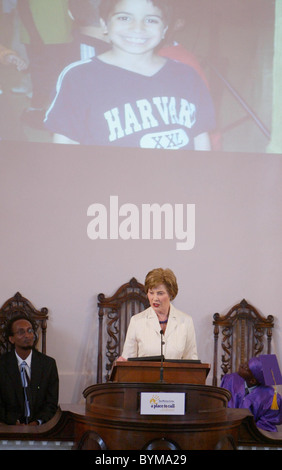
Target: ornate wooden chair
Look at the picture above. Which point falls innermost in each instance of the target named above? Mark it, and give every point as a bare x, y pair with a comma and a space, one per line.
16, 305
244, 333
114, 315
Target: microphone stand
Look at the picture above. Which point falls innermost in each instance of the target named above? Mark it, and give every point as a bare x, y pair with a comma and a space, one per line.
162, 359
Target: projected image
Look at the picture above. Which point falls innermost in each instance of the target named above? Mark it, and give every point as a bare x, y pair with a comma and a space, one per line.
151, 74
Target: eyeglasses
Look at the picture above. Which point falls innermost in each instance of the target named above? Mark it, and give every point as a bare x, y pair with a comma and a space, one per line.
22, 331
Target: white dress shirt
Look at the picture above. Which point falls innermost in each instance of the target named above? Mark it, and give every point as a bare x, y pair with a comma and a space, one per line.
143, 337
27, 361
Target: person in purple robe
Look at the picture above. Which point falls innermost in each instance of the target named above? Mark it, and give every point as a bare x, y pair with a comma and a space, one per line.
248, 390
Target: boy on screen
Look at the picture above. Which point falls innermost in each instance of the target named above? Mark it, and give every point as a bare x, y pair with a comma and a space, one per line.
131, 96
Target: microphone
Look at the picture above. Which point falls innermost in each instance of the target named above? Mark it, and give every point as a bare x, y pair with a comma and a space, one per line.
162, 358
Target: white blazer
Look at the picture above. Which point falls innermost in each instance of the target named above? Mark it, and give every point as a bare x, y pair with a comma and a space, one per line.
143, 336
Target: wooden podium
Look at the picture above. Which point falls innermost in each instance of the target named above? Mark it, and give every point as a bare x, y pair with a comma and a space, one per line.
175, 372
114, 419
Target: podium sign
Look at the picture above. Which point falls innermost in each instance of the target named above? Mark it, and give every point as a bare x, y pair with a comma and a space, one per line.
163, 403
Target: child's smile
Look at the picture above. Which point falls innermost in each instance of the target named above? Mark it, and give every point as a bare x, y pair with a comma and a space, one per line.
134, 40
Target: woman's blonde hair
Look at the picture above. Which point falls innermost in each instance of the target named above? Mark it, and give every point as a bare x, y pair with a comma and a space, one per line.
162, 276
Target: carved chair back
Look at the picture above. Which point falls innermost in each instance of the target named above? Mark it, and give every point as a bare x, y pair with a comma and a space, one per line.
243, 333
114, 315
20, 305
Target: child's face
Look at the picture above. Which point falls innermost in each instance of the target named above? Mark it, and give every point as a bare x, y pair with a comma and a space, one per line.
136, 27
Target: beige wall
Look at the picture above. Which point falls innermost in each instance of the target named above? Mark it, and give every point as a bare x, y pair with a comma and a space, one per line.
46, 255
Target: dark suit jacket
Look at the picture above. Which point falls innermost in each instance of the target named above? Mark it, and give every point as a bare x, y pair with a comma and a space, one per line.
44, 388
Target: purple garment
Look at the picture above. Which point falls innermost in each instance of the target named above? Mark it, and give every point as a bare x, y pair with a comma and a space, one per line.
258, 401
255, 367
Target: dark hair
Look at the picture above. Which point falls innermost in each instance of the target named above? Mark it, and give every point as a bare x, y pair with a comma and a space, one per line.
18, 316
166, 6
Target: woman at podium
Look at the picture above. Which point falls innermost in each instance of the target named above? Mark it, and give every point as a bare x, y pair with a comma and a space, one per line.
161, 329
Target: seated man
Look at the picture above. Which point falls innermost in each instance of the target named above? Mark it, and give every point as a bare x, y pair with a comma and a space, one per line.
29, 392
249, 390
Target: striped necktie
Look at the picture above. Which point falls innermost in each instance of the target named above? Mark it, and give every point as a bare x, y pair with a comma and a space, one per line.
25, 383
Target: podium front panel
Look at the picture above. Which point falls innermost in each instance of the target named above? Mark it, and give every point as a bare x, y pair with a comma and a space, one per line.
150, 372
